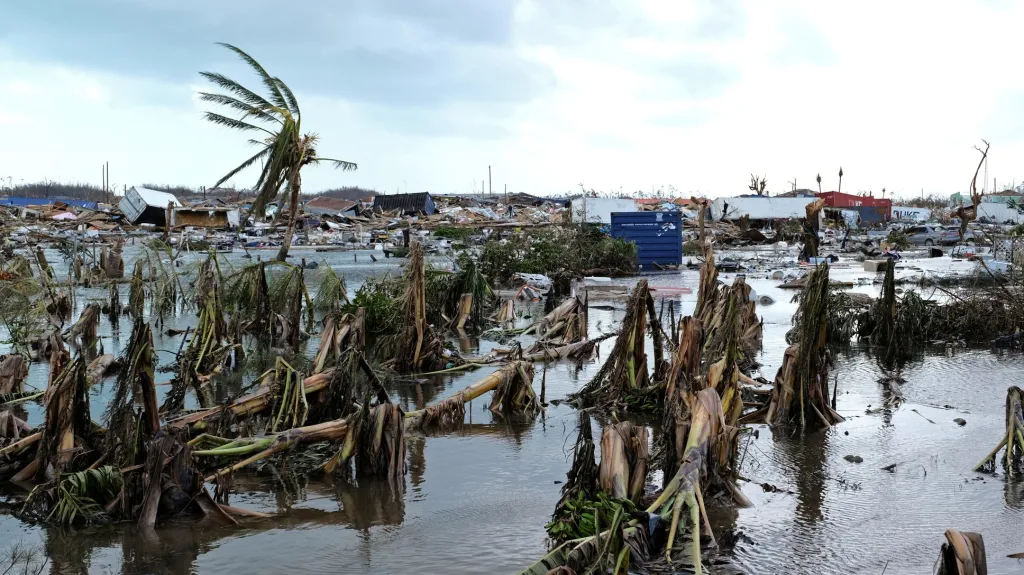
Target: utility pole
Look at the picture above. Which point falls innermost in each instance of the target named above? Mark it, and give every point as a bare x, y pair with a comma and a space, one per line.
490, 190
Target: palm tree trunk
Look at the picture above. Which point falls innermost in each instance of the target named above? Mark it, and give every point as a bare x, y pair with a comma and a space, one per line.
293, 213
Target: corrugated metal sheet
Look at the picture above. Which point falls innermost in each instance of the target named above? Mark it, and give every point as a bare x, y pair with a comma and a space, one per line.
760, 208
408, 203
658, 236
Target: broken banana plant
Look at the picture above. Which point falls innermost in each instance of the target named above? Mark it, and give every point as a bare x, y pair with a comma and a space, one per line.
1013, 439
625, 540
208, 347
128, 429
136, 293
623, 382
417, 347
566, 324
963, 553
800, 395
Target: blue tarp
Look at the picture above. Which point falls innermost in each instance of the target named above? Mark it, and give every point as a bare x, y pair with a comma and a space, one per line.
22, 202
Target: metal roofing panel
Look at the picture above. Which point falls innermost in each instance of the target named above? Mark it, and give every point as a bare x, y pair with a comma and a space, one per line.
155, 198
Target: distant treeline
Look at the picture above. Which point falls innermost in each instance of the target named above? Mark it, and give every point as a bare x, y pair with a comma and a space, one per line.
94, 193
348, 193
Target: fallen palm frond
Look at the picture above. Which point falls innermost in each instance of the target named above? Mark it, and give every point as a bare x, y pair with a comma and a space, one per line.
800, 395
623, 471
566, 324
623, 381
570, 519
13, 371
81, 496
332, 294
136, 292
416, 346
449, 413
208, 348
1013, 439
127, 430
963, 553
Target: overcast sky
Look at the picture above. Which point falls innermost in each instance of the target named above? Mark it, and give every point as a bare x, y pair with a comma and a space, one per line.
613, 94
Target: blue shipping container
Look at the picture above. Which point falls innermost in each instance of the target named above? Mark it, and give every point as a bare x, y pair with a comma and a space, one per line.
658, 236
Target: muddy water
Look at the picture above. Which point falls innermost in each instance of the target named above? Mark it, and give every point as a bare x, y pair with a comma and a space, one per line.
476, 501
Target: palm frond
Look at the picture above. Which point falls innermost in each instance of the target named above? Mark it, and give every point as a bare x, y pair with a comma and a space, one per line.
243, 166
338, 164
234, 87
293, 104
276, 97
267, 115
233, 123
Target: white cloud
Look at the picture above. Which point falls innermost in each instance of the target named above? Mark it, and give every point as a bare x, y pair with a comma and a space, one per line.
694, 94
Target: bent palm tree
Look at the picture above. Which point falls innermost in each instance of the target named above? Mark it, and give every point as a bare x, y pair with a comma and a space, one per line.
284, 149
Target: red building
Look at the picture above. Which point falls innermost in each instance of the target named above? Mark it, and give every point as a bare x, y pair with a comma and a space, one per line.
871, 209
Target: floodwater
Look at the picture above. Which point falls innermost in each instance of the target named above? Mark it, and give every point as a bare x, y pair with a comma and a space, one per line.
477, 500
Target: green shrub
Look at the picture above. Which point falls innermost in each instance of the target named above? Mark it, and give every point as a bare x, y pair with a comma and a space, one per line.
897, 239
454, 233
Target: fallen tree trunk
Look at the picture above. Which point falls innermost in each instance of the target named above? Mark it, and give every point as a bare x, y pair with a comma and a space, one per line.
255, 402
516, 377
